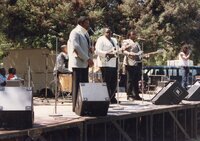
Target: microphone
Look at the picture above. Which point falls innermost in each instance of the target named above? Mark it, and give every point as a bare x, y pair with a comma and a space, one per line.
91, 30
142, 39
117, 35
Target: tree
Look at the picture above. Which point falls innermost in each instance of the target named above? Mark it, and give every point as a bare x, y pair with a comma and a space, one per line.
163, 23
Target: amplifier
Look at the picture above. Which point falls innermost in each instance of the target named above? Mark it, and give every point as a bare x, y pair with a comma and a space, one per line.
172, 93
16, 107
194, 92
93, 99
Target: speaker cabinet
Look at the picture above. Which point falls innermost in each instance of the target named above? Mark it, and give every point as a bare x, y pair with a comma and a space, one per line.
194, 92
16, 110
172, 93
92, 100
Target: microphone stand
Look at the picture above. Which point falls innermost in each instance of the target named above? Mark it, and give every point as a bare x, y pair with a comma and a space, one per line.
56, 85
30, 81
46, 71
119, 107
142, 77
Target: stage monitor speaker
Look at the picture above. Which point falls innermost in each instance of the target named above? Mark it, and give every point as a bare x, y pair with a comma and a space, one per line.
16, 110
92, 100
194, 92
172, 93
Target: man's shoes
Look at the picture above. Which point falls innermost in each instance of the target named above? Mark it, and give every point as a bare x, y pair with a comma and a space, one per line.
137, 98
130, 98
113, 101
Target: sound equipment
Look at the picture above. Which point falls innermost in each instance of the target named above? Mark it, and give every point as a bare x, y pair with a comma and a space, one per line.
13, 83
194, 92
172, 93
16, 110
92, 100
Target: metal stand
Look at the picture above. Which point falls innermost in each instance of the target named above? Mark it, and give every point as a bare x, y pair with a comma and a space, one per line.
46, 71
142, 77
55, 114
29, 73
118, 107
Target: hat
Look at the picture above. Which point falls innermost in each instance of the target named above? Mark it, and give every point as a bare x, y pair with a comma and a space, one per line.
63, 46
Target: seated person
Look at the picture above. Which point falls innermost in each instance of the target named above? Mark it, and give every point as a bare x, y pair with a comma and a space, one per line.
2, 77
11, 74
61, 62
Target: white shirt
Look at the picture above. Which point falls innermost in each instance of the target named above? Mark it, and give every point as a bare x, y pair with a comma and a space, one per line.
104, 46
183, 62
13, 78
133, 47
60, 63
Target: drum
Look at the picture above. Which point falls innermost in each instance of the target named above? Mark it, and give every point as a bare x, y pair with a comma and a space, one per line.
65, 82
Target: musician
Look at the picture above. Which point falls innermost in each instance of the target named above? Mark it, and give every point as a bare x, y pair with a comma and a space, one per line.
106, 47
80, 55
133, 65
61, 65
184, 56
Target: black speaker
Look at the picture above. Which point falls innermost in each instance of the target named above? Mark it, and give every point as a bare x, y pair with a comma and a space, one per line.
16, 110
92, 100
172, 93
194, 92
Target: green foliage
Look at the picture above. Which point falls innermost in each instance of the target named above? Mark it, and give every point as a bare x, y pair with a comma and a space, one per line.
163, 23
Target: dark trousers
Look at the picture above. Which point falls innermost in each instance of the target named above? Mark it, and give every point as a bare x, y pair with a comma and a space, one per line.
78, 75
133, 77
185, 75
109, 76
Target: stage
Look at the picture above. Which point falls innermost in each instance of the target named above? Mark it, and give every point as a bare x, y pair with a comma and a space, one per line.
126, 121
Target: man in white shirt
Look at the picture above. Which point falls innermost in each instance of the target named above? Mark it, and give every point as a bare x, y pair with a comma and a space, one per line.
184, 56
106, 46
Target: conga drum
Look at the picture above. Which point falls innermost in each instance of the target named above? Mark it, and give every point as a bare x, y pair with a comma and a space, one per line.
65, 82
